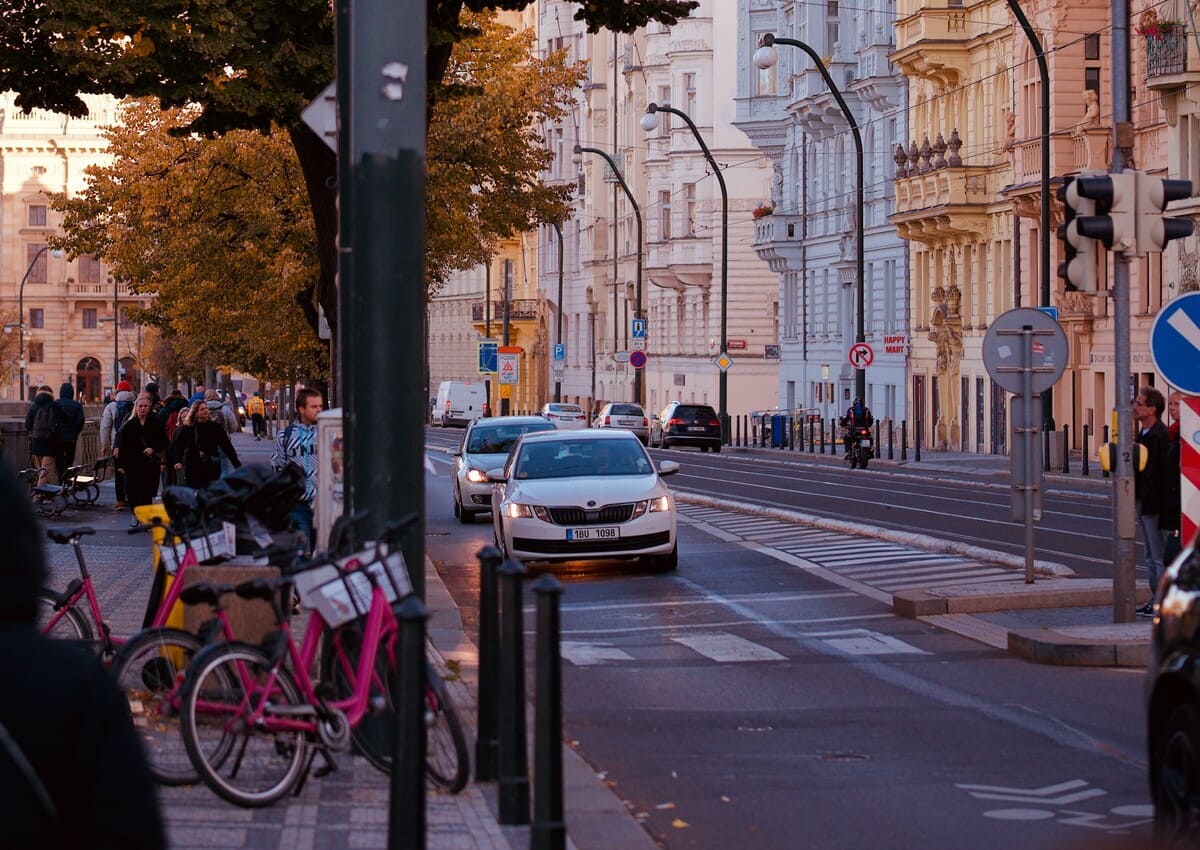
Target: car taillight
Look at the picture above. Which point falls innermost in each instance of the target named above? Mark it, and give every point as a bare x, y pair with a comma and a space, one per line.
715, 423
645, 422
674, 421
607, 420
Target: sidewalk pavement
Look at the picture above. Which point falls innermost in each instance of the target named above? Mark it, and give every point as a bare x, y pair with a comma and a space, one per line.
349, 808
1056, 620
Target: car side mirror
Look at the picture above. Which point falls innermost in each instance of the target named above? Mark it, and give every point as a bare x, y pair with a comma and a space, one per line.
496, 476
667, 467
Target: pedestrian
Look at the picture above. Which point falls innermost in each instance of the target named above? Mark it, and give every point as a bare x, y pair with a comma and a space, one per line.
257, 409
1169, 518
297, 444
198, 395
39, 424
1149, 483
68, 423
139, 447
116, 413
72, 771
195, 450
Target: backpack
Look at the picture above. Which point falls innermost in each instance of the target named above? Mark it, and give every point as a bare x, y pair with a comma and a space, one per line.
171, 424
44, 421
121, 414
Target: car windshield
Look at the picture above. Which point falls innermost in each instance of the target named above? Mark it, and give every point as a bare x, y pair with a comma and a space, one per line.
565, 408
499, 439
573, 458
625, 410
685, 411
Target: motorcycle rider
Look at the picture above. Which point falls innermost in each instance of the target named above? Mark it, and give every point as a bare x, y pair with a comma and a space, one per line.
858, 415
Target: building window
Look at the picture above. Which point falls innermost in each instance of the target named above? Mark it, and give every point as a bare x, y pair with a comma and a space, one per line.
89, 317
37, 317
689, 211
832, 37
664, 222
1091, 47
689, 94
35, 262
37, 215
764, 78
1091, 79
126, 321
37, 353
664, 118
89, 269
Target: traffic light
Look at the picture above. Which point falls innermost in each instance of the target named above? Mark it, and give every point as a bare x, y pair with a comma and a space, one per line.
1081, 255
1154, 230
1114, 222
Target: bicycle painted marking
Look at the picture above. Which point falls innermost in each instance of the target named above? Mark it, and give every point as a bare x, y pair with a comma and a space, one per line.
1118, 820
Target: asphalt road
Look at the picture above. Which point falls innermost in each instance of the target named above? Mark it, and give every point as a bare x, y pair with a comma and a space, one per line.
743, 702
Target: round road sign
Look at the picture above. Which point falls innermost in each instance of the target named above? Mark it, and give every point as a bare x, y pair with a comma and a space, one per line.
1004, 350
637, 359
1175, 342
861, 355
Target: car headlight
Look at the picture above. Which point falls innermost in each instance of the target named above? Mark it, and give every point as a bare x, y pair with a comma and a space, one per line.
476, 476
519, 511
662, 503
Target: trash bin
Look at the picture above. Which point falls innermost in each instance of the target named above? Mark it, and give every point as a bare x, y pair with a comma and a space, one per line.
779, 431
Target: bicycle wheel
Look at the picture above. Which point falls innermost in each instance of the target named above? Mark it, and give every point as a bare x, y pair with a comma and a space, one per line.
150, 669
447, 759
374, 736
246, 763
70, 625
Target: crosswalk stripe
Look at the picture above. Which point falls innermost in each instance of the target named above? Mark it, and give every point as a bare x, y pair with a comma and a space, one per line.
588, 654
725, 647
888, 571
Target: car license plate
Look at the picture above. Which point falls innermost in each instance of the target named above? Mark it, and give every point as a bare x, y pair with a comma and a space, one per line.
695, 427
628, 422
604, 532
865, 443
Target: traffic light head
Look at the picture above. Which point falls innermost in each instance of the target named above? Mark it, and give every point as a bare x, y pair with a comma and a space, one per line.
1081, 256
1113, 222
1154, 230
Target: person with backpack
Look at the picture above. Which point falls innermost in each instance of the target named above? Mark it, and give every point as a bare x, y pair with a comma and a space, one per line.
68, 423
258, 414
297, 444
39, 423
116, 414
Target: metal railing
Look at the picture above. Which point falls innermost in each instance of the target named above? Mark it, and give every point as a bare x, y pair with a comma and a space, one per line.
1166, 53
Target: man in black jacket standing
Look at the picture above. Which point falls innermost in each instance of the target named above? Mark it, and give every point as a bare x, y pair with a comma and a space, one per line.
1150, 484
72, 772
68, 422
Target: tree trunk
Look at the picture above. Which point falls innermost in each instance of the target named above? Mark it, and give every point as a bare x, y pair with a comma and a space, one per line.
319, 166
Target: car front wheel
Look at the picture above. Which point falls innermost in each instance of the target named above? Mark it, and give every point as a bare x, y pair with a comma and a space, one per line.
1176, 785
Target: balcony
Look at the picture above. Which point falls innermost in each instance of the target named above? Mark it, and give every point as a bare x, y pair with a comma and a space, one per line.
519, 309
777, 240
1166, 54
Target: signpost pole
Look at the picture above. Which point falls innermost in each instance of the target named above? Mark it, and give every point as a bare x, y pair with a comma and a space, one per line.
1029, 428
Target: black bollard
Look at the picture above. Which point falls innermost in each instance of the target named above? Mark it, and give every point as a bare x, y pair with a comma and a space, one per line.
833, 438
549, 829
1084, 467
406, 815
487, 741
737, 430
875, 452
822, 435
903, 439
919, 436
514, 766
1045, 449
1104, 472
891, 440
1066, 467
791, 434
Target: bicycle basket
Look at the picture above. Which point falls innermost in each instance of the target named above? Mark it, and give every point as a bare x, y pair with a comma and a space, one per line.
341, 592
216, 545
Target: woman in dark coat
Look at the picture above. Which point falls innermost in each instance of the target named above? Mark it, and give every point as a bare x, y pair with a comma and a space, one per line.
138, 448
39, 423
195, 451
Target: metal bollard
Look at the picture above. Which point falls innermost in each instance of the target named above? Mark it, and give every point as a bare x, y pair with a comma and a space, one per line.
1066, 467
549, 829
903, 439
822, 435
875, 447
737, 430
1104, 472
1045, 449
1084, 468
919, 435
791, 431
406, 815
891, 439
514, 767
487, 742
833, 440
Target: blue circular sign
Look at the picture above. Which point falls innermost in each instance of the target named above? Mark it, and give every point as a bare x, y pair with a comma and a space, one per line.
637, 359
1175, 343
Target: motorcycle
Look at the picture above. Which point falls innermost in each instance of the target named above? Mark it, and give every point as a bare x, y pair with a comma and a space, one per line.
858, 452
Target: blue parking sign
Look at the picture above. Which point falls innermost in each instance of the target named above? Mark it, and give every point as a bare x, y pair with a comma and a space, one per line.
488, 356
637, 328
1175, 342
560, 351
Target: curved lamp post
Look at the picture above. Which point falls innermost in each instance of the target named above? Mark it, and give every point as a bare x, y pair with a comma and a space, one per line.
650, 122
21, 313
637, 214
765, 57
558, 333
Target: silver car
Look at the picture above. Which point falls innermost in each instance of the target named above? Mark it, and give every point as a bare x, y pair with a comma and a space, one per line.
627, 417
566, 417
485, 446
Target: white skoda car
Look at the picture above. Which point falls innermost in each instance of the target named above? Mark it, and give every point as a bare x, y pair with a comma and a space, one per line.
590, 495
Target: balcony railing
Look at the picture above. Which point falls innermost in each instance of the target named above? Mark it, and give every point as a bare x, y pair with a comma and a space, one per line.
520, 308
1166, 53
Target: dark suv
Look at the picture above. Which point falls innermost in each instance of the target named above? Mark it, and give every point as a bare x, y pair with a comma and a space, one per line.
1173, 704
684, 424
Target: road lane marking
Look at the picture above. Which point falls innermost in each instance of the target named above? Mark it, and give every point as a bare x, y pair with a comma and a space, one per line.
589, 654
721, 624
863, 642
728, 648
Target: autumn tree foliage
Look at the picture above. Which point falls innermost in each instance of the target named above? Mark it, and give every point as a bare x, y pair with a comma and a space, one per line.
218, 230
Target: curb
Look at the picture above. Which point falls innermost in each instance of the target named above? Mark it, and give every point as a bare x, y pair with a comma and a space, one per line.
1049, 646
982, 598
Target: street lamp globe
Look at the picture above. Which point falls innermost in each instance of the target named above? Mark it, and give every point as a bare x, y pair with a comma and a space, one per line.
649, 121
765, 57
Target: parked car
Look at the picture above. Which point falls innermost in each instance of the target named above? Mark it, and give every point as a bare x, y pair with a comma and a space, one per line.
627, 417
1173, 704
687, 424
591, 495
566, 417
485, 446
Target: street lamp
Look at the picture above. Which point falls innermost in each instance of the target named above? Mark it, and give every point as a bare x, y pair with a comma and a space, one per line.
765, 57
558, 331
637, 214
649, 123
21, 313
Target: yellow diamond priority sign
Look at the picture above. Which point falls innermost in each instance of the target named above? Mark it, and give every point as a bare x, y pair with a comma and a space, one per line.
723, 361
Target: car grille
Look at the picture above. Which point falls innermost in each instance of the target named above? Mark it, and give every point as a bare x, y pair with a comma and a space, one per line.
567, 547
602, 516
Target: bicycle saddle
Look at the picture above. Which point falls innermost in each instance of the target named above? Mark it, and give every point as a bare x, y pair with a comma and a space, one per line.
66, 535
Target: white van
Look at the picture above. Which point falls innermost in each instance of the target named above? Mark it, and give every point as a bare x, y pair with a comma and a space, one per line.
459, 402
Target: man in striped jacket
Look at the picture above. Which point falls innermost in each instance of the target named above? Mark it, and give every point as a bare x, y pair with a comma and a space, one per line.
297, 444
